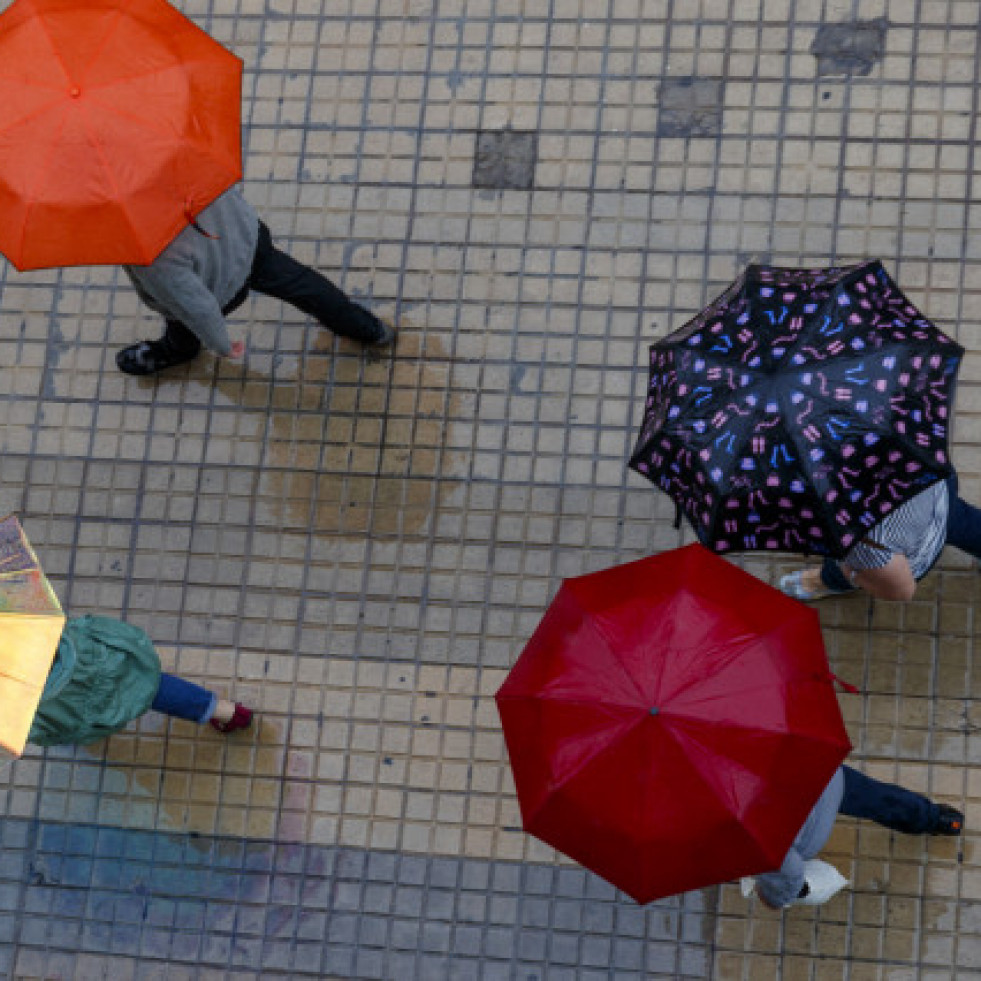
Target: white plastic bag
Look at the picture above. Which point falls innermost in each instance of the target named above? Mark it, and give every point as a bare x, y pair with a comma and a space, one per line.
824, 881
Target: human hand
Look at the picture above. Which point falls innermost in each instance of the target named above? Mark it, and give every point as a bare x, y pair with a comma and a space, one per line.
238, 349
747, 886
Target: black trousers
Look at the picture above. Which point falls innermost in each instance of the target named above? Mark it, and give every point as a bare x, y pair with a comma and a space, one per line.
280, 275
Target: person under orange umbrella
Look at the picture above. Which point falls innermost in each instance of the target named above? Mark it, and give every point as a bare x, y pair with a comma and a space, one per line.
120, 137
207, 272
120, 120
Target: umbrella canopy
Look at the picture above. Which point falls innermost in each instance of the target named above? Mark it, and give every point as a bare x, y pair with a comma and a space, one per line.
671, 723
119, 122
799, 410
31, 622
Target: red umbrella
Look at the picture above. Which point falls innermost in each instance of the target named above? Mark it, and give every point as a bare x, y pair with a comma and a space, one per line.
119, 122
671, 723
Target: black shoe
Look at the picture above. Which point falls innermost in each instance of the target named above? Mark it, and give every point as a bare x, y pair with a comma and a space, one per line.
949, 821
149, 357
365, 327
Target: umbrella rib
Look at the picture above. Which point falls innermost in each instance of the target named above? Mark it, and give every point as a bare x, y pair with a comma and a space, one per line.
591, 702
42, 23
695, 724
35, 83
21, 120
599, 625
111, 177
588, 761
715, 791
113, 27
141, 121
736, 647
116, 79
32, 195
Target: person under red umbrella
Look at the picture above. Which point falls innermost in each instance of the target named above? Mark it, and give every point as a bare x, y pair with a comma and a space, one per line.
671, 723
854, 794
207, 272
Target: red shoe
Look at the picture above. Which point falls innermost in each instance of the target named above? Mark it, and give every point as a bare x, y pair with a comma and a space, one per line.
241, 719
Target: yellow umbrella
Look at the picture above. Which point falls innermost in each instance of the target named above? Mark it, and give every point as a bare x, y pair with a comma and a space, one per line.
31, 621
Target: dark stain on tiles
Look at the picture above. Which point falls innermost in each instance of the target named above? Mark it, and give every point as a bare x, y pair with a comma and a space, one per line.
850, 48
690, 107
505, 159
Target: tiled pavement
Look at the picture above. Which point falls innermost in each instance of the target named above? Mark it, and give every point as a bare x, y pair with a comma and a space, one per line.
361, 545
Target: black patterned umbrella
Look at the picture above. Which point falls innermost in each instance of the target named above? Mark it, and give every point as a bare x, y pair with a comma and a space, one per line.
799, 409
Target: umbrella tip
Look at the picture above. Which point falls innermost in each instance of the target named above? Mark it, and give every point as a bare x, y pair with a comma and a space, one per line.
655, 710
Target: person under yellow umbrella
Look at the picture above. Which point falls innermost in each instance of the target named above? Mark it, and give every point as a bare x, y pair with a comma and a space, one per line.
84, 679
107, 673
31, 622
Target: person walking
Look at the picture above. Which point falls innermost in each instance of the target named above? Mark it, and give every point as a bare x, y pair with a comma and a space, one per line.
105, 674
857, 795
899, 551
207, 272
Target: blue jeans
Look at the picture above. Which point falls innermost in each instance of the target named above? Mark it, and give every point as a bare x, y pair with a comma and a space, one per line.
183, 699
887, 804
963, 532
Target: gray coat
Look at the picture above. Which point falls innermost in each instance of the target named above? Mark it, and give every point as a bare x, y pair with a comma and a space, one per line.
782, 887
199, 274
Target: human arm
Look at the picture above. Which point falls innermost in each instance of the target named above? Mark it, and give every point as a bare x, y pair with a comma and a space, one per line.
892, 581
781, 888
174, 289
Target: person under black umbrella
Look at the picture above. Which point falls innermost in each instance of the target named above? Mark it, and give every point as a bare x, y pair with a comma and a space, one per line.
899, 551
799, 410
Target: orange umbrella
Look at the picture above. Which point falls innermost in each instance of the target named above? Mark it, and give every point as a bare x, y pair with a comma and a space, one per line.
31, 622
119, 122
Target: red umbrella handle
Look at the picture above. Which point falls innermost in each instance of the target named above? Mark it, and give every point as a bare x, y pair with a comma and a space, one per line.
845, 686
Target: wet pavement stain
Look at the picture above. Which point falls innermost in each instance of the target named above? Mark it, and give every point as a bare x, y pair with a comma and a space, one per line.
851, 48
258, 755
376, 464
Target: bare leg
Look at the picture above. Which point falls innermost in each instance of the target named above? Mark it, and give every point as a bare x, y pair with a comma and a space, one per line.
224, 711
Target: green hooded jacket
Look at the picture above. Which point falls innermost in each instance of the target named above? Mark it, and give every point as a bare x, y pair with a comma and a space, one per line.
105, 674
